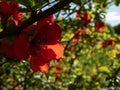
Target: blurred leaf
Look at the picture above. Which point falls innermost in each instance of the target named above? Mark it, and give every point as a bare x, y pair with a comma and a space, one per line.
78, 79
104, 69
116, 2
72, 87
78, 2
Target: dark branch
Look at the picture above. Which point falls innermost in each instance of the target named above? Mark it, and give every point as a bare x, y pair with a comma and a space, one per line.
49, 11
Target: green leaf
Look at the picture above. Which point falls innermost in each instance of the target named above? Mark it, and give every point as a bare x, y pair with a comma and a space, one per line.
78, 2
104, 69
72, 87
78, 79
38, 4
28, 3
116, 2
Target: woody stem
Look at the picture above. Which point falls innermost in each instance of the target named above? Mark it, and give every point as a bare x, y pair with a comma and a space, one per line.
31, 20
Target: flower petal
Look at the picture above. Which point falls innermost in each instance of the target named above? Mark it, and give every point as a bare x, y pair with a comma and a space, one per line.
50, 33
47, 19
22, 47
49, 53
30, 27
39, 63
58, 50
8, 8
7, 49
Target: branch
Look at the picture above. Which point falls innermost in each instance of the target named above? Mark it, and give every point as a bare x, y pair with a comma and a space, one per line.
31, 20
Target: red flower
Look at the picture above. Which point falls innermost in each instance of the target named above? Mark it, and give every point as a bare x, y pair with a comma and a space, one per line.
77, 36
100, 26
85, 17
48, 33
8, 8
112, 42
107, 43
44, 45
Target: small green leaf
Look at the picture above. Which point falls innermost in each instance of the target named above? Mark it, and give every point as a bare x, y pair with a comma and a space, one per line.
104, 69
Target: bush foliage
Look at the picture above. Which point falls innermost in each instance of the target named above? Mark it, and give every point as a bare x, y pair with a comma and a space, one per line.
91, 59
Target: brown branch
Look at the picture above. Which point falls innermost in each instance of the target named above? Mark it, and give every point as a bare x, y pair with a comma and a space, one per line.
31, 20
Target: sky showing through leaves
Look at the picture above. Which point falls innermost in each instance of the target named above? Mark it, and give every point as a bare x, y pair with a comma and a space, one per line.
113, 15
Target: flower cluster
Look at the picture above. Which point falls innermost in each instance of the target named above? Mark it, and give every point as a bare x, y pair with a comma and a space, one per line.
40, 47
107, 43
85, 20
85, 17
